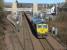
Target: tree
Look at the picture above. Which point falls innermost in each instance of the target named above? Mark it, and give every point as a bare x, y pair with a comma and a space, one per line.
1, 11
1, 7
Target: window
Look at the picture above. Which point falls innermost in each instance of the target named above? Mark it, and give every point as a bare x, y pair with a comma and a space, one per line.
44, 26
39, 26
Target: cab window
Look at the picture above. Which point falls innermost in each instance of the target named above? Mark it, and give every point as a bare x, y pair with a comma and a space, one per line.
45, 26
39, 26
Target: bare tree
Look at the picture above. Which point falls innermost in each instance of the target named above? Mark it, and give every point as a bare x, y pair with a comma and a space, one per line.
1, 8
1, 3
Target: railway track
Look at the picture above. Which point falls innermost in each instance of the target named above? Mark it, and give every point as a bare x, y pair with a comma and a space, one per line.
25, 40
42, 43
51, 44
11, 39
45, 45
19, 40
35, 42
21, 43
16, 44
30, 41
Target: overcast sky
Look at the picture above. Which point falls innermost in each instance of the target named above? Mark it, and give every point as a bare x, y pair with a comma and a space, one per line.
37, 1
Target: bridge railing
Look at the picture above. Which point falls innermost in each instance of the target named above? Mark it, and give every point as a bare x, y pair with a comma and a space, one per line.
19, 9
